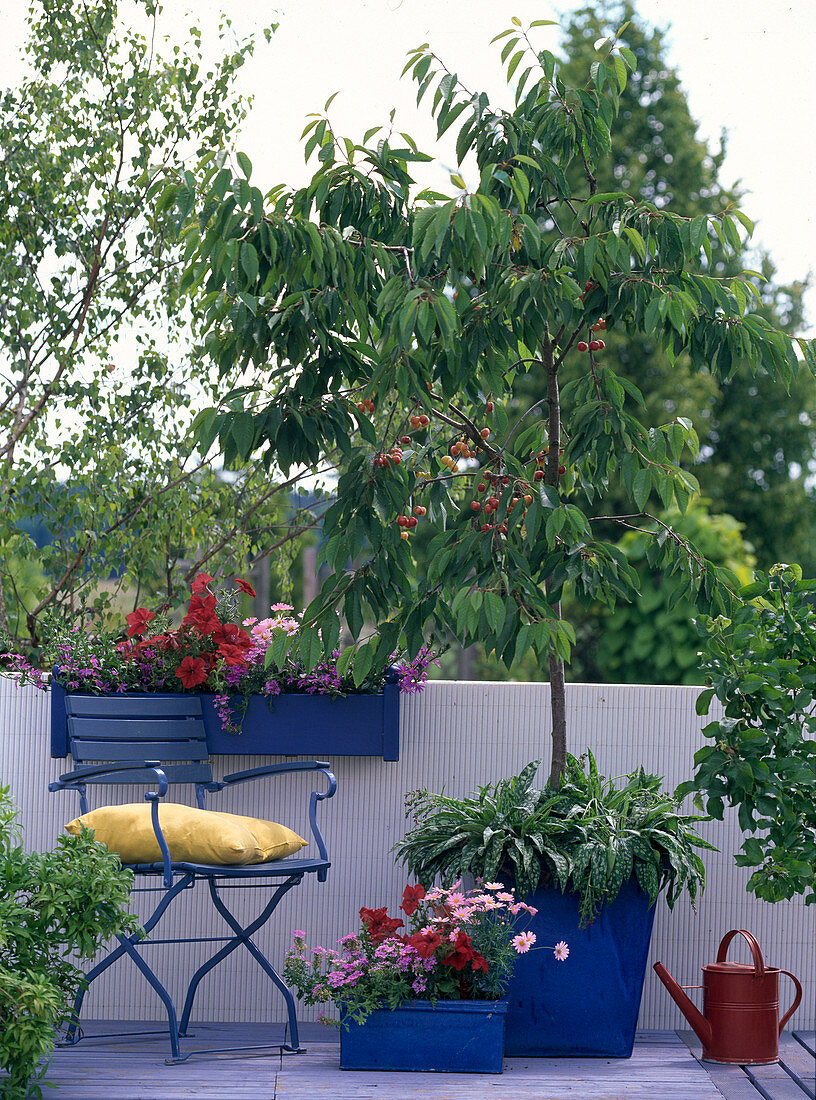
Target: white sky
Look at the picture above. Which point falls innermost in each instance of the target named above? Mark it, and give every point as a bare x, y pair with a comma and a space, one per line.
746, 65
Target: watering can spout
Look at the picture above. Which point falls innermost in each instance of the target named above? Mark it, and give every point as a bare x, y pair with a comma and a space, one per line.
702, 1027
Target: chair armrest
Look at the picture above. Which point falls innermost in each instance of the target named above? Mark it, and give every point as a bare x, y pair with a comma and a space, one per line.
278, 769
315, 797
76, 780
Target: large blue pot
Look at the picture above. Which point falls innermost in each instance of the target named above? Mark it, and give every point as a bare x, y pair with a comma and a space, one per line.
317, 726
453, 1037
588, 1005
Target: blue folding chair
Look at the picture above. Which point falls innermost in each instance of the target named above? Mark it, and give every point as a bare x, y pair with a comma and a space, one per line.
162, 741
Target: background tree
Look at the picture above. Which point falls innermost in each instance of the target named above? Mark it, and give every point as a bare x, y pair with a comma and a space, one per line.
354, 292
98, 381
755, 433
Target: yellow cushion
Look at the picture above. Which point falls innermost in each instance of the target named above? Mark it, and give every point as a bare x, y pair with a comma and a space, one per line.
193, 836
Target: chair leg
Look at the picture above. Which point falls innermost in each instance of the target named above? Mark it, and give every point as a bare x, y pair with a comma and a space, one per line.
128, 945
242, 937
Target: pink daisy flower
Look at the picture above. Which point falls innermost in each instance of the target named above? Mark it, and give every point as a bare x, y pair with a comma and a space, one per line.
561, 951
523, 942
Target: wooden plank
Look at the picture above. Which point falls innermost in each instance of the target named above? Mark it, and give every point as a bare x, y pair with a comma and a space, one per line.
807, 1039
122, 750
131, 1066
774, 1085
122, 706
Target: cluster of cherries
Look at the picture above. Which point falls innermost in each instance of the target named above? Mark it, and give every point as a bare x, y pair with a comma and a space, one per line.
593, 345
365, 406
410, 522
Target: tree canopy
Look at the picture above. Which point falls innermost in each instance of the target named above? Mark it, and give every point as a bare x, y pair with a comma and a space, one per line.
358, 293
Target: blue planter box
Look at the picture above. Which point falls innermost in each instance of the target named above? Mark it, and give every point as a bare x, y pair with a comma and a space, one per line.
588, 1005
453, 1037
316, 726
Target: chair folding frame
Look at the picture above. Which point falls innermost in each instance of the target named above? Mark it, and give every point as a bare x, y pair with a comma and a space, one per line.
128, 733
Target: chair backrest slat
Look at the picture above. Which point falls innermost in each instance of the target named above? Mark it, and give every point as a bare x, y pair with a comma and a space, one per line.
176, 773
129, 706
87, 751
152, 728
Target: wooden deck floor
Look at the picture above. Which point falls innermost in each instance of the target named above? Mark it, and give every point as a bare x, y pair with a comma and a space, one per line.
663, 1067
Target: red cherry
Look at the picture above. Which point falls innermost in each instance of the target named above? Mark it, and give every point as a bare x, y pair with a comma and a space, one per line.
601, 345
475, 506
424, 420
419, 510
480, 488
538, 475
503, 528
489, 406
582, 345
562, 470
594, 345
485, 433
405, 439
486, 527
412, 522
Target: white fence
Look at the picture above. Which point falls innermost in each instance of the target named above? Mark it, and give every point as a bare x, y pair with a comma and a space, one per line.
458, 734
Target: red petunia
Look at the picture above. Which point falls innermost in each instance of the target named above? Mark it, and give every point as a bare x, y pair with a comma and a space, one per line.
232, 654
245, 587
201, 614
411, 897
137, 621
191, 671
380, 926
478, 962
424, 943
462, 953
200, 583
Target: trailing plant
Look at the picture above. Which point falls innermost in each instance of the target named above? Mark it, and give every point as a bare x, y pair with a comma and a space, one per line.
590, 835
54, 906
211, 650
460, 945
761, 665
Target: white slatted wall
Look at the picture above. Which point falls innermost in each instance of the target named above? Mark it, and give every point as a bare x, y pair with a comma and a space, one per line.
457, 734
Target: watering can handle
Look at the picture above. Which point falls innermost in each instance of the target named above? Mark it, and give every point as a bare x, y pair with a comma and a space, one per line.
796, 999
759, 965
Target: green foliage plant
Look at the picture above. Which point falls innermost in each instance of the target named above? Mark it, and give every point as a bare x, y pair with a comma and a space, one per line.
387, 329
55, 907
588, 836
761, 666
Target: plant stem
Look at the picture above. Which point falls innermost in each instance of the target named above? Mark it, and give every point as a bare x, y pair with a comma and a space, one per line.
551, 477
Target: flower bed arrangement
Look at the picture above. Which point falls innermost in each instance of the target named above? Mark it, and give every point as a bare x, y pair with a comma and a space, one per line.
213, 652
458, 946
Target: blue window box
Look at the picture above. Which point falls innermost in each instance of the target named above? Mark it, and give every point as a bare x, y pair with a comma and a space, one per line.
316, 726
452, 1037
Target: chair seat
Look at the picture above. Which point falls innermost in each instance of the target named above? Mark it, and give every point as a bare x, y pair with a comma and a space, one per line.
279, 868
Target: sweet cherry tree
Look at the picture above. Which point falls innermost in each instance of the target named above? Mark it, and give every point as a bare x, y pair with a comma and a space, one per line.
383, 330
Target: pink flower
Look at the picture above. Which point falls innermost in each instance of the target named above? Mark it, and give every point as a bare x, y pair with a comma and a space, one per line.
494, 886
561, 951
523, 942
299, 935
281, 607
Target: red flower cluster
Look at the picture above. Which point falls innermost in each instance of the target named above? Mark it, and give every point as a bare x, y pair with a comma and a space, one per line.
225, 642
411, 897
380, 926
464, 953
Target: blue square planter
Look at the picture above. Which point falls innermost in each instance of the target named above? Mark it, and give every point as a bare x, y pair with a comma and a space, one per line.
317, 726
587, 1006
453, 1037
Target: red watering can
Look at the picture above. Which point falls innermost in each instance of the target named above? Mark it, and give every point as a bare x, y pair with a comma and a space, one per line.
740, 1018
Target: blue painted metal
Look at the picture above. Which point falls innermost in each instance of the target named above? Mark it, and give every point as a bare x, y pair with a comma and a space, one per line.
587, 1006
452, 1037
96, 717
302, 725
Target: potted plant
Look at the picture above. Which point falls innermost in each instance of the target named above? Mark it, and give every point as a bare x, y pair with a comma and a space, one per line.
54, 906
429, 998
248, 675
591, 857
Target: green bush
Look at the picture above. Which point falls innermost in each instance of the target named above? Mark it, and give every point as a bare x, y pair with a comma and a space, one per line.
761, 665
52, 905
